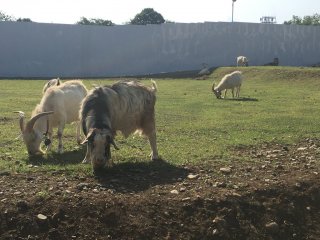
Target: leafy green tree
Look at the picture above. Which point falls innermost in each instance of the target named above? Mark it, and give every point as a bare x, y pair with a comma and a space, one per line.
24, 20
5, 17
306, 20
147, 16
95, 21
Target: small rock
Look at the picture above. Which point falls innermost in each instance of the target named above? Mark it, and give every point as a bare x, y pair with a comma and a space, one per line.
42, 217
193, 176
185, 199
302, 148
236, 194
225, 170
174, 191
272, 227
183, 189
81, 186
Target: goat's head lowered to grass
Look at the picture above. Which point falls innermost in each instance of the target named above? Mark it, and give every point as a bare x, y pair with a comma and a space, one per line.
216, 92
98, 146
33, 133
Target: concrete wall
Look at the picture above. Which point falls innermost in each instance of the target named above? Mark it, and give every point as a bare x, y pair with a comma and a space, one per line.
58, 50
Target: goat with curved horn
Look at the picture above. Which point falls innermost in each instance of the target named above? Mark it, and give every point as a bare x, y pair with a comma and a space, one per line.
62, 103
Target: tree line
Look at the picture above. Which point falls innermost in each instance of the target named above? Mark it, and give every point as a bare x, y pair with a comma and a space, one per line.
146, 16
150, 16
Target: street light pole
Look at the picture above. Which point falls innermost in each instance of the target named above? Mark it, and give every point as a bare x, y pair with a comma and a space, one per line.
232, 8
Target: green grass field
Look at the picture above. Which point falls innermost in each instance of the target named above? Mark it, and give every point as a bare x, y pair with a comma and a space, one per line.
279, 104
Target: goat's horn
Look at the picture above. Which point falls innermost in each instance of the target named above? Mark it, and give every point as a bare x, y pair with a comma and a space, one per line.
21, 120
212, 87
31, 122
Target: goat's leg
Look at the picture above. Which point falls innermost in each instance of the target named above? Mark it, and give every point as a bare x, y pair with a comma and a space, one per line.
232, 90
238, 91
49, 136
60, 132
225, 93
78, 132
153, 144
48, 148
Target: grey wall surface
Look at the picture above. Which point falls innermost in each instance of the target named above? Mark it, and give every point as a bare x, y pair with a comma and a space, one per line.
58, 50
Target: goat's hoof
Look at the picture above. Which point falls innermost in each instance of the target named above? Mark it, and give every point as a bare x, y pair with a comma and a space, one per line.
109, 164
156, 158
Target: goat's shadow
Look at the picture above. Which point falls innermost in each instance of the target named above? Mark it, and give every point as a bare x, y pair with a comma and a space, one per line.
132, 176
241, 99
74, 156
129, 175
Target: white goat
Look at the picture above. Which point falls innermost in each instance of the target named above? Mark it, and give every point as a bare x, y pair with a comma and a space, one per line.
59, 105
50, 83
242, 61
229, 81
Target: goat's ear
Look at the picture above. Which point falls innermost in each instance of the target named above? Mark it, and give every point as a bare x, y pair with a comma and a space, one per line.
111, 140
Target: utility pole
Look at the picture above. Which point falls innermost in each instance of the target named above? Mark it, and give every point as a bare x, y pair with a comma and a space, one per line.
233, 8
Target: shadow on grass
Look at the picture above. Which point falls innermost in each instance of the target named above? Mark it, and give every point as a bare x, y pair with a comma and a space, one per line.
132, 176
242, 99
53, 158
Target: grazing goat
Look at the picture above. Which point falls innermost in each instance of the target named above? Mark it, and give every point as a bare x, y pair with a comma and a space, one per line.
274, 63
50, 83
242, 61
58, 106
126, 107
229, 81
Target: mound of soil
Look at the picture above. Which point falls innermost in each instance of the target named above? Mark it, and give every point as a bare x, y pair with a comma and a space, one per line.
273, 195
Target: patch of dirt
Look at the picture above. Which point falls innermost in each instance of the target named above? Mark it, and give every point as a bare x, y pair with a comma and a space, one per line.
273, 195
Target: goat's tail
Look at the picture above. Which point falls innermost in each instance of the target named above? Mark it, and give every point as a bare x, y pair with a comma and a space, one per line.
154, 86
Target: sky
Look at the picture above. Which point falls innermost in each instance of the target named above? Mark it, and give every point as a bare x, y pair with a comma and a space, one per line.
184, 11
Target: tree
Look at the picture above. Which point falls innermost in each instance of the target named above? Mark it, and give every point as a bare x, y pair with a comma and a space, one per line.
306, 20
24, 20
5, 17
147, 16
95, 21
